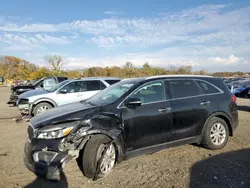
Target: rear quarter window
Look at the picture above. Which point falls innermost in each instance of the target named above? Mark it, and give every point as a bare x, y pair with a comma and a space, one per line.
95, 85
207, 88
60, 79
111, 82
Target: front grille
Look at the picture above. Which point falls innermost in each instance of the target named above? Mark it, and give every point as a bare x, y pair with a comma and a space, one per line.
30, 132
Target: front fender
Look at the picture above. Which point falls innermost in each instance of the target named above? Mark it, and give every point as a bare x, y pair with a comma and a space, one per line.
117, 139
104, 123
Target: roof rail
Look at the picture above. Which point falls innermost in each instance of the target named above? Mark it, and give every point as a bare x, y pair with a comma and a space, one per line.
178, 75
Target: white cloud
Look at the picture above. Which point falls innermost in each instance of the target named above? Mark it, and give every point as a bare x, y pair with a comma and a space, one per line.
51, 40
32, 40
165, 58
112, 12
27, 54
200, 36
29, 28
15, 48
198, 20
231, 59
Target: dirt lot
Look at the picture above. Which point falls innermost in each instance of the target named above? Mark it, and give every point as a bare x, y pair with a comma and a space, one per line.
185, 166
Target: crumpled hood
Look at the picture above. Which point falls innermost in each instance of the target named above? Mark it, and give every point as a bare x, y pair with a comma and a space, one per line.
14, 88
73, 111
32, 93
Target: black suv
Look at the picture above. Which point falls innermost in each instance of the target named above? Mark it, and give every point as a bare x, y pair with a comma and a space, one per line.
132, 117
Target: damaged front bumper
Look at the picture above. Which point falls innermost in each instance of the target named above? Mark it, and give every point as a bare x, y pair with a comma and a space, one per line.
25, 109
47, 157
13, 99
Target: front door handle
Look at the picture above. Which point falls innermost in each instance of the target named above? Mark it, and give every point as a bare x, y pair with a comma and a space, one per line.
162, 110
203, 103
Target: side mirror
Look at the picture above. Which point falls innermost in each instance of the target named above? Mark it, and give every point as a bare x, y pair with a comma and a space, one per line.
63, 91
133, 102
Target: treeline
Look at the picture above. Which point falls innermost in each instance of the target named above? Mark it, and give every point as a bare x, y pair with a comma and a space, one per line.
19, 69
230, 74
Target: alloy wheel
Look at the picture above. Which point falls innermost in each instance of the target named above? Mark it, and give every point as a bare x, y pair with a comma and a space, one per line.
218, 134
42, 109
108, 161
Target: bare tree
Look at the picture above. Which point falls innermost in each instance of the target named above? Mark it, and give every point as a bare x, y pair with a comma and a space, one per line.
128, 65
55, 61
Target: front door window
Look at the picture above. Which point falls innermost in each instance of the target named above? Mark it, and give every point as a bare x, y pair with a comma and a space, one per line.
152, 92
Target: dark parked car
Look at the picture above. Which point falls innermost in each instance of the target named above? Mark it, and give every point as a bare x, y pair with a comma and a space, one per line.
132, 117
240, 89
17, 90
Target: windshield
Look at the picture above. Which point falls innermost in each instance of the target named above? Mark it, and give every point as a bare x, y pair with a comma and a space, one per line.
58, 86
245, 83
36, 82
113, 92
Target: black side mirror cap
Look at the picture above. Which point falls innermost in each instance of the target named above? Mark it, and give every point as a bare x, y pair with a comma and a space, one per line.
63, 91
133, 102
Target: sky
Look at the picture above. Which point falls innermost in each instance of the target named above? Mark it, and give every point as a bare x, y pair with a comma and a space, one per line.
207, 34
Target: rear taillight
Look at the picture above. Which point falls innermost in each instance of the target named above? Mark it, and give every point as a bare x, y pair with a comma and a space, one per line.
234, 99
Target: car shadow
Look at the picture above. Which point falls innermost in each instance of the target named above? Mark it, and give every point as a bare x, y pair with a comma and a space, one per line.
42, 183
244, 108
225, 170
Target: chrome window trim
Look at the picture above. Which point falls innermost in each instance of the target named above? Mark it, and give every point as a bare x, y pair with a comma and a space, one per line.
166, 79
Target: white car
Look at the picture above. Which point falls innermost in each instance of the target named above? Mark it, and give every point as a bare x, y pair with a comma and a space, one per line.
37, 101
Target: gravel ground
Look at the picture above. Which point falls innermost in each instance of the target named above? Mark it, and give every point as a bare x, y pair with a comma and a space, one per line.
185, 166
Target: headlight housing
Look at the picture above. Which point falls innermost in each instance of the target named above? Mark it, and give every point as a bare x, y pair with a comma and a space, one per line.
53, 134
57, 130
23, 101
63, 129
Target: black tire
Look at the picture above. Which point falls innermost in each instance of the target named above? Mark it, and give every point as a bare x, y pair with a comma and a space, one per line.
89, 157
207, 141
39, 105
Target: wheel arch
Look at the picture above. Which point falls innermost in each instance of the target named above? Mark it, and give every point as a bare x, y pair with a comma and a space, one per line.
114, 138
47, 100
221, 115
43, 100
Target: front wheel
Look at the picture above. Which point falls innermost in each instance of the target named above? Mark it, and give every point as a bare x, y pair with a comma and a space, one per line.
41, 107
215, 134
98, 161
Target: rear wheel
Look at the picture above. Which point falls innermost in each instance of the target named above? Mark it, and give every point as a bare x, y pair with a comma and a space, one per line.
41, 107
95, 152
216, 134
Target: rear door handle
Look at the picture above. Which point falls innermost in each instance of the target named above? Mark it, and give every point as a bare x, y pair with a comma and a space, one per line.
205, 103
162, 110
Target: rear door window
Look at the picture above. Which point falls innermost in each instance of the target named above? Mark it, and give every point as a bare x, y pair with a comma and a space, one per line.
207, 88
183, 88
94, 85
75, 87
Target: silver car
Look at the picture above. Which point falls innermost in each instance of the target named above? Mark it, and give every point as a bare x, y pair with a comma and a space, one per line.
69, 91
